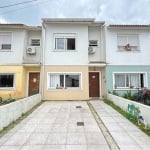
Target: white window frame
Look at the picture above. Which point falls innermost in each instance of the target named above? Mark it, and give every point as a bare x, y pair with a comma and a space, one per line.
6, 50
14, 81
133, 88
132, 47
64, 88
65, 36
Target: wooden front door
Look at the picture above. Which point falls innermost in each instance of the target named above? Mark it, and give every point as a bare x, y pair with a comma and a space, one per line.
94, 90
34, 81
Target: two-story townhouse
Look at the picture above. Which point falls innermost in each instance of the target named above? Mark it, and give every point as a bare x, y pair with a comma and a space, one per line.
73, 59
19, 60
127, 51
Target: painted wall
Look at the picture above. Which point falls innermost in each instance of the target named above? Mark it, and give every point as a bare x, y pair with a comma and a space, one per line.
78, 57
123, 103
111, 69
115, 57
15, 56
18, 90
67, 94
96, 33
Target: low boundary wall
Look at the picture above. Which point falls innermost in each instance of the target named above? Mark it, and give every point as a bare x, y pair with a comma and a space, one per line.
12, 111
123, 103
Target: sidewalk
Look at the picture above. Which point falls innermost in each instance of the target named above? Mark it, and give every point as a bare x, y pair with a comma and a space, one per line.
126, 135
53, 126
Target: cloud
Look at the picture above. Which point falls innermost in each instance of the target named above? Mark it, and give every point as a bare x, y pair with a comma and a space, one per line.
2, 20
110, 11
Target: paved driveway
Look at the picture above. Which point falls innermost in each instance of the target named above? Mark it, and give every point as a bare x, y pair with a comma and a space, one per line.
53, 126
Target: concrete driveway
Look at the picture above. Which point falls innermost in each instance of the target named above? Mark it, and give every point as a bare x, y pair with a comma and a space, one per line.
65, 125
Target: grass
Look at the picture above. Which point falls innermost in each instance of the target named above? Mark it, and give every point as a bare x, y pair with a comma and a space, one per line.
14, 123
128, 116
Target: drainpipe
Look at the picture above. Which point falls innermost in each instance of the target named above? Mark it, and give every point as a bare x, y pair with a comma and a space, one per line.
43, 60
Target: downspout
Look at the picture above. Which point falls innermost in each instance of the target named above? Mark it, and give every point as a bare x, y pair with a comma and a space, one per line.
43, 60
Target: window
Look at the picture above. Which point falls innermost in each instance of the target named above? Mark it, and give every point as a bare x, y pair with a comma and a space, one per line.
129, 80
64, 80
128, 42
93, 42
6, 80
35, 42
5, 41
65, 42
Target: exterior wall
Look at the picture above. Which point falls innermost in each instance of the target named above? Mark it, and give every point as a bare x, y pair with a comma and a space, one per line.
77, 57
123, 103
128, 69
15, 56
12, 111
96, 33
18, 90
67, 94
115, 57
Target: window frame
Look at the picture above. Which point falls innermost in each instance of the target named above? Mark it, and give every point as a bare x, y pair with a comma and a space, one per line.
129, 87
3, 44
64, 36
121, 48
64, 86
14, 81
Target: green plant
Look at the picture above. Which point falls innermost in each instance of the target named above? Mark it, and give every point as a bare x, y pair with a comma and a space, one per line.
128, 95
115, 93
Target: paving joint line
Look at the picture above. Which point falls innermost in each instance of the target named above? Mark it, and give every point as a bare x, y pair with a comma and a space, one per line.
111, 142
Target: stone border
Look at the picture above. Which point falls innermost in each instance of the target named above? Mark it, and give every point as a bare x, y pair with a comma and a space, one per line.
12, 111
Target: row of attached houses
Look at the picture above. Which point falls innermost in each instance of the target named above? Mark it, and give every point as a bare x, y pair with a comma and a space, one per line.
73, 59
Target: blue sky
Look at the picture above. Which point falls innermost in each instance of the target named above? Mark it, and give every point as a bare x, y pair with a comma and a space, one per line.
110, 11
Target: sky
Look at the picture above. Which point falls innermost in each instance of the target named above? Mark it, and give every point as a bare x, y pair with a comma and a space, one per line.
110, 11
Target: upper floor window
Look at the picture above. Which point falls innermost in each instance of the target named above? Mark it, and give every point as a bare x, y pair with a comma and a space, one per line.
35, 42
65, 42
128, 42
129, 80
6, 80
5, 41
93, 42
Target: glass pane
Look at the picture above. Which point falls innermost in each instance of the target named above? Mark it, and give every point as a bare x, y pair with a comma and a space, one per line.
135, 80
72, 80
59, 43
56, 81
120, 80
70, 44
6, 80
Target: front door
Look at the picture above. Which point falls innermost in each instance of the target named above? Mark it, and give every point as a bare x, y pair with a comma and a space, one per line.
94, 90
34, 81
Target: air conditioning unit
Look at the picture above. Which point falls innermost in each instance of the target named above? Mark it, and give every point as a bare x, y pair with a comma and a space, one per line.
31, 50
91, 50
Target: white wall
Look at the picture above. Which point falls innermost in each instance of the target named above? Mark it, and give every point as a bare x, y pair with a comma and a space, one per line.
12, 111
16, 54
96, 33
123, 103
79, 57
114, 57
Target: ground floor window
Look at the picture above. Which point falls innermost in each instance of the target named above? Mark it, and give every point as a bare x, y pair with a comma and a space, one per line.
6, 80
64, 80
129, 80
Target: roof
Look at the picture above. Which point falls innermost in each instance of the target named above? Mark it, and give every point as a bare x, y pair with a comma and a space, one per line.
19, 26
128, 26
72, 20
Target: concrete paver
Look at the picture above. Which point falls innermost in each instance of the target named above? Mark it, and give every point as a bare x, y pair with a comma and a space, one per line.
53, 126
126, 135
